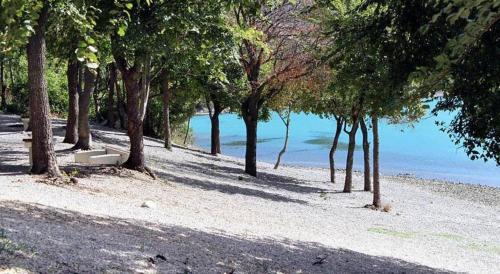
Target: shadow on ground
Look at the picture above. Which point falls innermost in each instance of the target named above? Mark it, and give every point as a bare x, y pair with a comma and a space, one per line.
44, 239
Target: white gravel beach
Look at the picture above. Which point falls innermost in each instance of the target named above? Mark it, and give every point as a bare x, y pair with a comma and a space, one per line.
206, 216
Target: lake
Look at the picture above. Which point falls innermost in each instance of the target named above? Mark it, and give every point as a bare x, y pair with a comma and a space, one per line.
422, 150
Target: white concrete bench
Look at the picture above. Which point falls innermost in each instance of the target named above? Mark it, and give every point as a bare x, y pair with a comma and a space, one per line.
107, 159
107, 156
84, 156
113, 150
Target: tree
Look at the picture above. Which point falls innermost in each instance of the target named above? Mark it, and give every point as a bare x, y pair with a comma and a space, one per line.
44, 158
272, 41
84, 135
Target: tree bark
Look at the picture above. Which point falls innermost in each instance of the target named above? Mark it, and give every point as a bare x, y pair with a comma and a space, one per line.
71, 136
134, 125
250, 113
120, 105
287, 131
215, 126
333, 149
187, 130
44, 158
350, 156
376, 178
137, 81
95, 96
111, 96
166, 94
366, 156
84, 136
3, 90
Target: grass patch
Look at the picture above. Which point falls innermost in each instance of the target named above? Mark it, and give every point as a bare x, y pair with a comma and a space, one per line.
327, 142
9, 247
484, 247
242, 143
394, 233
448, 236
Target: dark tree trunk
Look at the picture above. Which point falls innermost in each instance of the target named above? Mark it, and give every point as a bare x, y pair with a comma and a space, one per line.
333, 149
84, 136
366, 156
120, 105
250, 111
376, 180
95, 95
350, 156
166, 94
215, 134
134, 126
44, 158
148, 124
215, 127
286, 121
137, 81
187, 131
71, 136
111, 95
3, 89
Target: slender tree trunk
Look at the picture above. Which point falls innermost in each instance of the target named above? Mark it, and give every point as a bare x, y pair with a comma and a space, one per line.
111, 95
366, 155
166, 94
84, 136
250, 113
95, 96
376, 180
187, 130
44, 158
71, 136
215, 134
333, 149
350, 156
120, 105
285, 145
215, 126
3, 90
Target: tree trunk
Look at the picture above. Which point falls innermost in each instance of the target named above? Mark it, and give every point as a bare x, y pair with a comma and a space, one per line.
71, 136
134, 126
215, 127
333, 149
366, 155
350, 156
137, 81
111, 100
44, 158
84, 136
166, 94
3, 90
187, 130
376, 180
215, 134
250, 113
120, 105
285, 145
95, 96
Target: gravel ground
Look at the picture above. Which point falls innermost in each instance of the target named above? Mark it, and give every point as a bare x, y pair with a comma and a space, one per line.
209, 217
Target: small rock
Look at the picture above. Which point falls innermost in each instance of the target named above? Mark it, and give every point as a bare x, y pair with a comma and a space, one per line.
73, 180
148, 204
240, 178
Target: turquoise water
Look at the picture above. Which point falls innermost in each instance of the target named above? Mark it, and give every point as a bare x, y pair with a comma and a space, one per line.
422, 150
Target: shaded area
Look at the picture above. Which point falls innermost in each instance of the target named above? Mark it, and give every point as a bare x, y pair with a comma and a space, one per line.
45, 239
